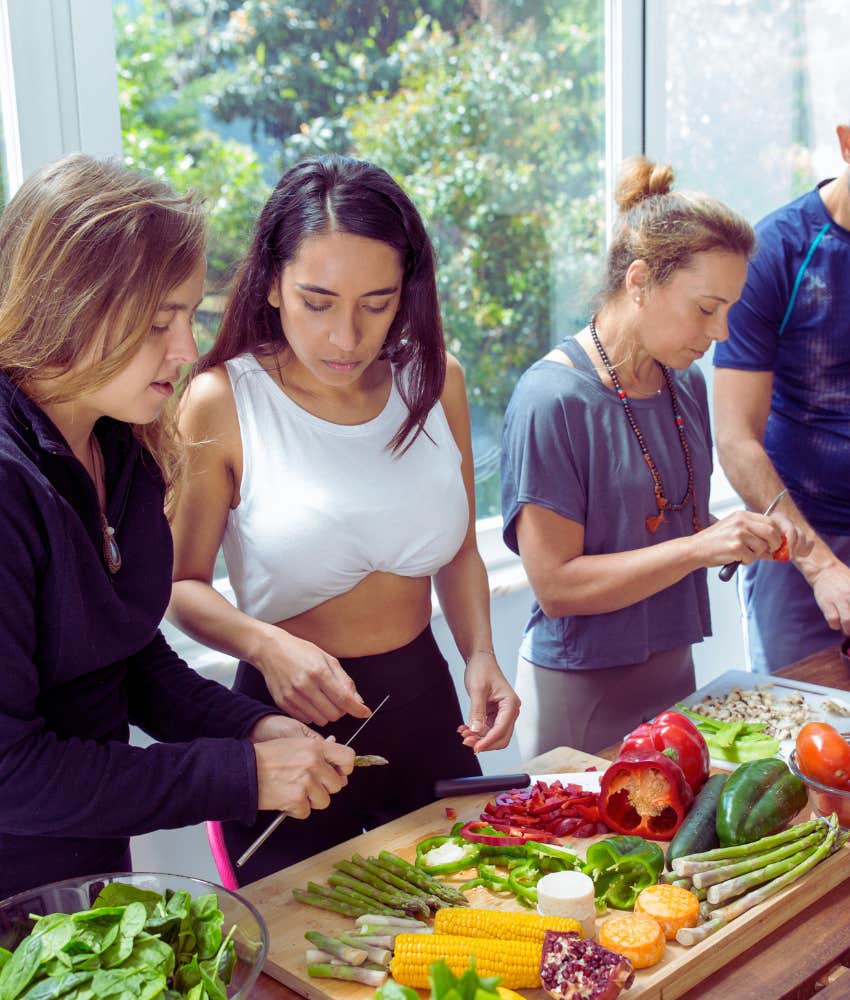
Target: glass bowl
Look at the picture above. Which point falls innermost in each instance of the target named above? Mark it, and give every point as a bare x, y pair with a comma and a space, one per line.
251, 936
824, 800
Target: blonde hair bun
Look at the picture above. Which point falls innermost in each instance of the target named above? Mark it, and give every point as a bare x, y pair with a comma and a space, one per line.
640, 178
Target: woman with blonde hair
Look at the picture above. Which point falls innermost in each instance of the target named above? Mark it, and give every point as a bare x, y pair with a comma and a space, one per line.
101, 271
605, 475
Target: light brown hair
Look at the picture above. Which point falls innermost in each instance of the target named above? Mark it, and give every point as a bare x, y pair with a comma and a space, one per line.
666, 229
88, 251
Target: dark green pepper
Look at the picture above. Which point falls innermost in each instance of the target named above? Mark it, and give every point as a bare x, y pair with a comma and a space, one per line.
621, 868
760, 798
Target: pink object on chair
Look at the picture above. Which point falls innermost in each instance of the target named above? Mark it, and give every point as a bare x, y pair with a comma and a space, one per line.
226, 874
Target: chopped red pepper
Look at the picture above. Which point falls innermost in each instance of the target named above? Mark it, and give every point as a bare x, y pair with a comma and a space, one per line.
674, 734
508, 836
645, 793
545, 807
451, 813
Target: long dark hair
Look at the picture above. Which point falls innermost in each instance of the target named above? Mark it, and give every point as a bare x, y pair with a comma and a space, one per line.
339, 194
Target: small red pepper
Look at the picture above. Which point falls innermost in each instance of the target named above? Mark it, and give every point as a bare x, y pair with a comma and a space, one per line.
674, 734
644, 793
451, 813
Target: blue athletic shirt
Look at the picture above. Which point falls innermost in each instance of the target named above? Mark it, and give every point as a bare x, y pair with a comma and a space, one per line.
794, 319
567, 446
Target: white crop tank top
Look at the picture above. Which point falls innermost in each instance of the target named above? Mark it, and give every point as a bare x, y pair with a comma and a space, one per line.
323, 505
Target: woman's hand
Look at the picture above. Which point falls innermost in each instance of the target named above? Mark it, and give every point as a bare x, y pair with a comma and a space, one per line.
306, 682
280, 727
745, 537
494, 704
298, 774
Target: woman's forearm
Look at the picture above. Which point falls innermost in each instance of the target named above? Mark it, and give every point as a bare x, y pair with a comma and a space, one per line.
464, 592
598, 584
200, 611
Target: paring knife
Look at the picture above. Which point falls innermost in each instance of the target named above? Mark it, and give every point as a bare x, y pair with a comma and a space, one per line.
728, 571
275, 823
479, 784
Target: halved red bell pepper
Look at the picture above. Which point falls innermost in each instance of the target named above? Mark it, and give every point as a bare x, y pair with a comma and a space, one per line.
674, 734
644, 793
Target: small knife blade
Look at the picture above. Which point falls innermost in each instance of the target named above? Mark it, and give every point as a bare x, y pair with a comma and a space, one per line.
275, 823
728, 570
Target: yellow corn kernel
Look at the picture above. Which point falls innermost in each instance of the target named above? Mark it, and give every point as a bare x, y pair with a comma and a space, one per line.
500, 924
517, 962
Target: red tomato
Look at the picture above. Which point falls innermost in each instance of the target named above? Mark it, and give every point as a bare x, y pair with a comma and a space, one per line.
824, 754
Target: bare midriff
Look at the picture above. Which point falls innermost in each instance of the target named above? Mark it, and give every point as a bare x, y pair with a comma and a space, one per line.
383, 612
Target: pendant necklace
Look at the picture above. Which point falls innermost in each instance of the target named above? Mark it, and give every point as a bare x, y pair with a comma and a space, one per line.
111, 552
661, 502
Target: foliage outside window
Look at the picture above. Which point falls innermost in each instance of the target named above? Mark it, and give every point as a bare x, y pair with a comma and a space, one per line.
490, 114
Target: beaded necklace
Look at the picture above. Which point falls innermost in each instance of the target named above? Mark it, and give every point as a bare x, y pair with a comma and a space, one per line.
661, 501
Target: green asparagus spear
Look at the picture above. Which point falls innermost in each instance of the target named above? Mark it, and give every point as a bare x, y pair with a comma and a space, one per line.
353, 956
702, 880
721, 916
352, 973
326, 903
410, 873
692, 863
372, 865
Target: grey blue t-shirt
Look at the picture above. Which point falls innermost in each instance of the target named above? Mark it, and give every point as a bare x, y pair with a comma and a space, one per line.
568, 447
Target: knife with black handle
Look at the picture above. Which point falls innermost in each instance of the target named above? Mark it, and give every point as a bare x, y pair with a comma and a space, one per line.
479, 784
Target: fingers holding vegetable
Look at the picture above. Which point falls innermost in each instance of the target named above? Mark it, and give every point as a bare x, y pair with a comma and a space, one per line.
741, 537
494, 705
297, 775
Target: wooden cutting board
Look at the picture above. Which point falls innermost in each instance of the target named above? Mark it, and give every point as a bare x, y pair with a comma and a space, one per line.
680, 970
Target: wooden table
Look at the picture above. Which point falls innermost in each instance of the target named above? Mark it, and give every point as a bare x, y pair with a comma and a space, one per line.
787, 964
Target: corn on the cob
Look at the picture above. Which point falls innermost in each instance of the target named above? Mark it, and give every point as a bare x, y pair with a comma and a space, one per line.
517, 962
501, 924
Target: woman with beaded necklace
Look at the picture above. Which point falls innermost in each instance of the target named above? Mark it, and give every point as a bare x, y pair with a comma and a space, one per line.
605, 476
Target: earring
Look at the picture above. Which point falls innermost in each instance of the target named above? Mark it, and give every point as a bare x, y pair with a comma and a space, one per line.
638, 299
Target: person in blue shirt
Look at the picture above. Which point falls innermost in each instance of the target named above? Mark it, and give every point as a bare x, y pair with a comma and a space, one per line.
101, 271
605, 476
782, 413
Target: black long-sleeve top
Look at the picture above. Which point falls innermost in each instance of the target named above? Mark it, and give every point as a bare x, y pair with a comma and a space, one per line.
82, 657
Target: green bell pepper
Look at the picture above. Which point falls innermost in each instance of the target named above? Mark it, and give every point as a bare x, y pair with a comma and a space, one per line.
760, 798
621, 868
424, 859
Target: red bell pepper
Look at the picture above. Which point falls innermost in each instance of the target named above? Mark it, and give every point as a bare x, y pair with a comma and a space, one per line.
645, 793
674, 734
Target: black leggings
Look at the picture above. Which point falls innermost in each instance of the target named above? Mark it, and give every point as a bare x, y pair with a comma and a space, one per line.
415, 731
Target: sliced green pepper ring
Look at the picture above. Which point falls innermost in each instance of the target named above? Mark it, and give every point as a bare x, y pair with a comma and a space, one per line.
467, 859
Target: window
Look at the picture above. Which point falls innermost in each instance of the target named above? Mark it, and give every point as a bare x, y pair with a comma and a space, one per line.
491, 115
752, 124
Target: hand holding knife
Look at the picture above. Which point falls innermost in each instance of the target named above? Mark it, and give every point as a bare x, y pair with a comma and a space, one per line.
275, 823
728, 571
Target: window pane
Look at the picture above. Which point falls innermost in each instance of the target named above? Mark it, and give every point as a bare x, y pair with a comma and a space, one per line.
752, 124
491, 115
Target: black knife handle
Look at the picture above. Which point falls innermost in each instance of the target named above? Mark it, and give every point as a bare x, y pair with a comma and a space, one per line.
479, 784
728, 571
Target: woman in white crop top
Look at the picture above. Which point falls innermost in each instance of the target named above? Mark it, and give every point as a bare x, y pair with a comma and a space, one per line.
333, 463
